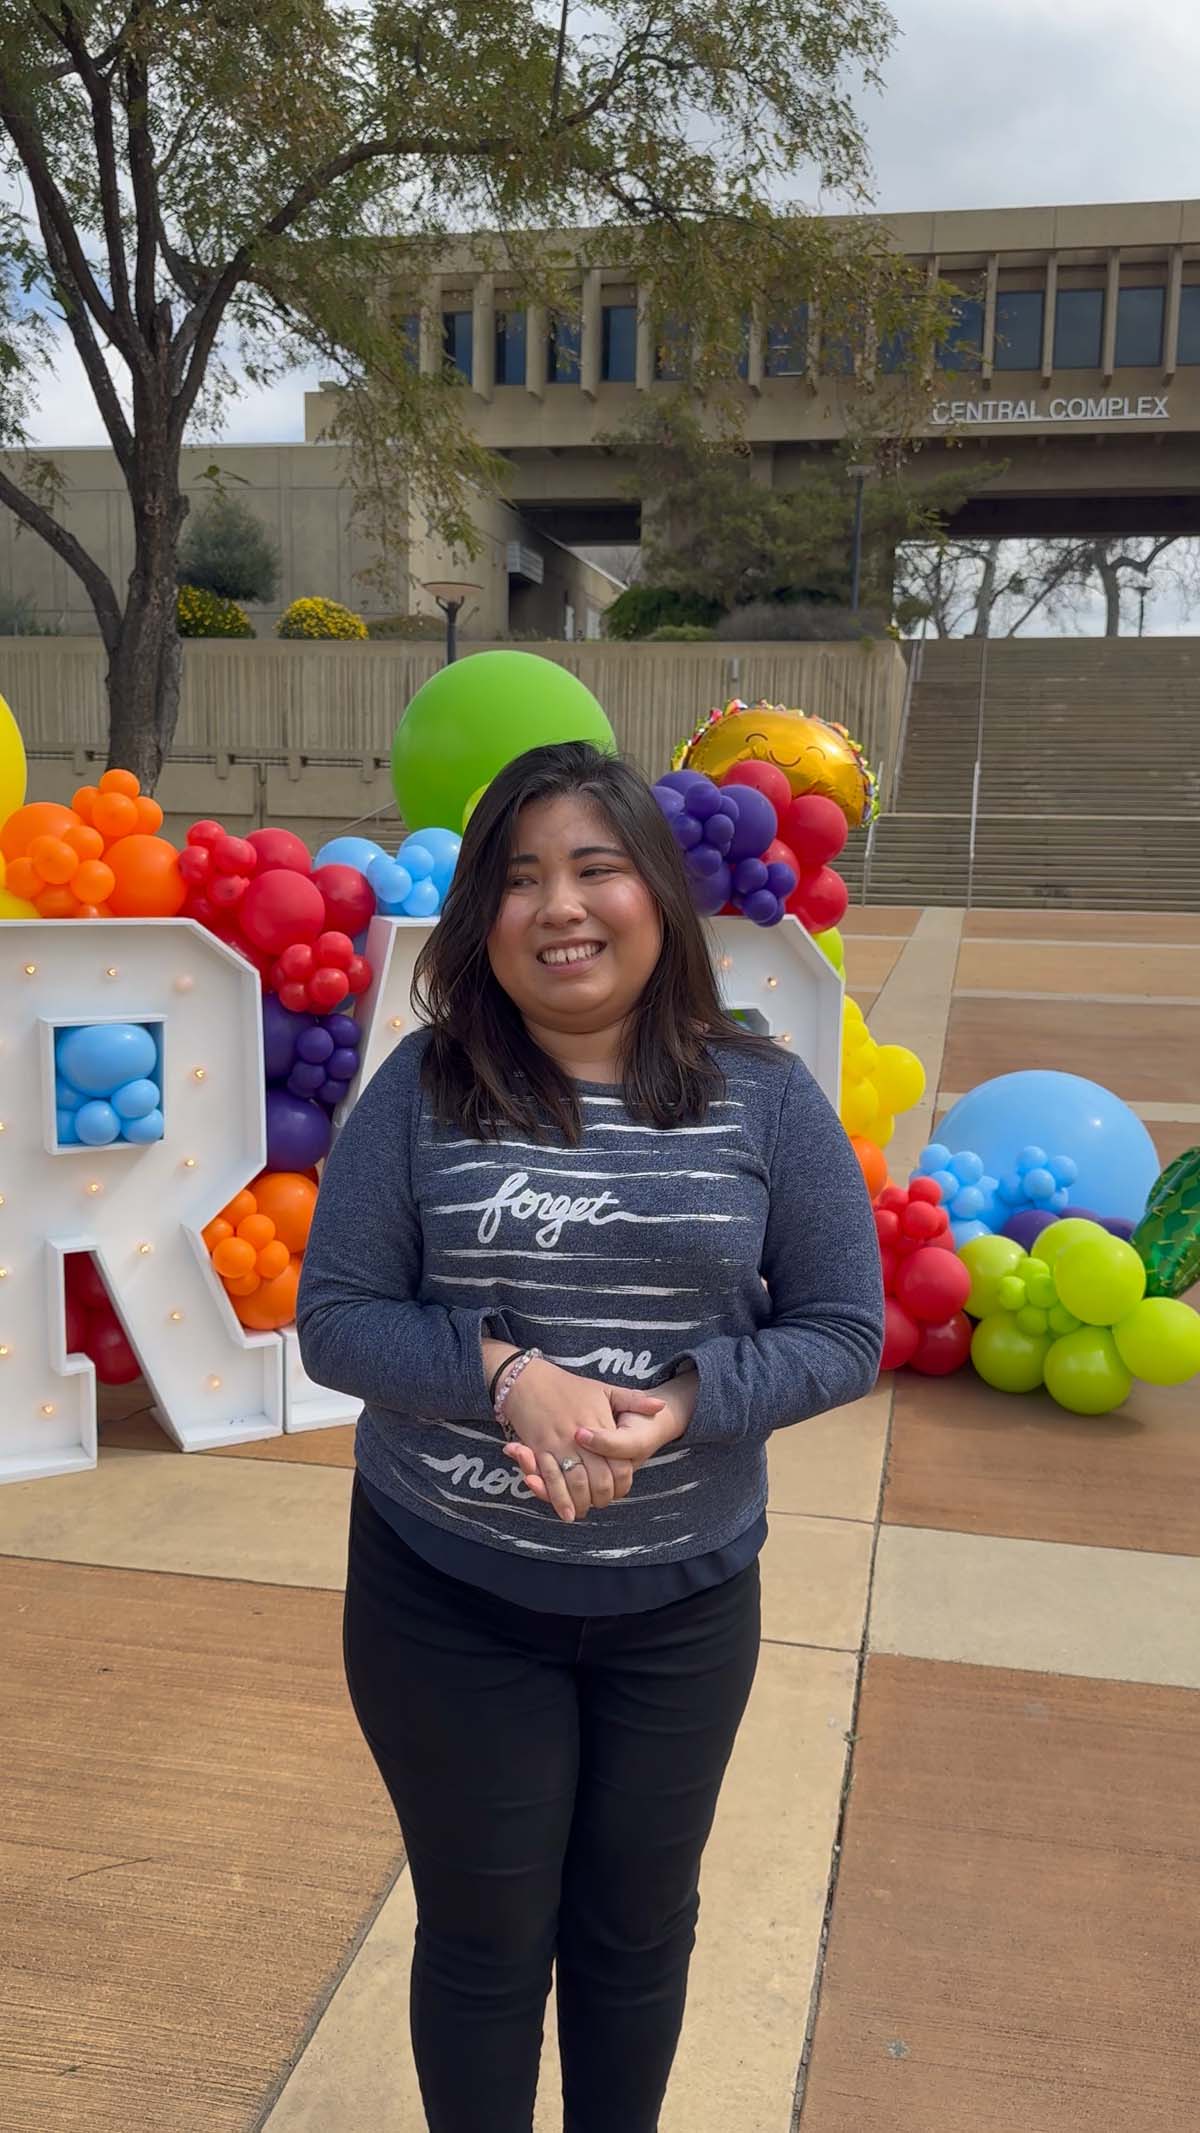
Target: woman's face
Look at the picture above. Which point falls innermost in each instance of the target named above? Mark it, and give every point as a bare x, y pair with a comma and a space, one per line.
578, 932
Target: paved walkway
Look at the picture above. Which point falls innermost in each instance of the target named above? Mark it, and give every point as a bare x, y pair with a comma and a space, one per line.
953, 1883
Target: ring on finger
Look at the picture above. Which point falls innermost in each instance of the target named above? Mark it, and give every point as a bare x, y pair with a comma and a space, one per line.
565, 1465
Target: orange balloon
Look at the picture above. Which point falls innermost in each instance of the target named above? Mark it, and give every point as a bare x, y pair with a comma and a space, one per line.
149, 814
275, 1303
122, 781
289, 1199
24, 879
40, 818
93, 882
216, 1231
93, 911
872, 1162
148, 881
257, 1231
244, 1285
85, 842
242, 1204
233, 1257
58, 903
114, 815
84, 801
272, 1259
54, 859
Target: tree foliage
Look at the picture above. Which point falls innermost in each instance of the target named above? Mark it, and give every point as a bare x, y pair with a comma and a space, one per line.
993, 588
203, 194
228, 551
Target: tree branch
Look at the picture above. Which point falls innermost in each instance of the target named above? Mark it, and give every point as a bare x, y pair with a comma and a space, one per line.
40, 521
99, 92
145, 190
89, 351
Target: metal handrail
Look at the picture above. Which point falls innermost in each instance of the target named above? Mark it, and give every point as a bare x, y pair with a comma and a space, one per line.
911, 678
977, 774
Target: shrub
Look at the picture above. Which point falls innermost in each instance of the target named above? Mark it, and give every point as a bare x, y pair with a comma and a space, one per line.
227, 551
19, 618
806, 621
409, 629
320, 618
642, 609
682, 633
200, 613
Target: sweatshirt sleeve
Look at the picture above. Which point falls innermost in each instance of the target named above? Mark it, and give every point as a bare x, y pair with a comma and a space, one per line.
362, 1329
821, 1345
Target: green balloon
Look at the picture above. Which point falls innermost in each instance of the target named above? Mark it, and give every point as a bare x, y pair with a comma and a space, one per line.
1084, 1372
988, 1261
1006, 1356
475, 716
1099, 1278
1056, 1239
1160, 1341
833, 947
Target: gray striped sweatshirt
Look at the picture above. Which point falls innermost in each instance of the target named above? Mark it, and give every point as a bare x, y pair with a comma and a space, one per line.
745, 1244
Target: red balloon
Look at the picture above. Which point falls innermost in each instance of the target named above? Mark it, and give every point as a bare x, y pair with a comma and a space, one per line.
296, 964
234, 855
358, 974
888, 1262
893, 1198
932, 1286
943, 1349
280, 907
819, 900
326, 988
765, 778
349, 898
194, 862
293, 994
887, 1224
116, 1363
335, 950
77, 1326
925, 1189
816, 829
277, 849
922, 1221
85, 1282
205, 834
901, 1336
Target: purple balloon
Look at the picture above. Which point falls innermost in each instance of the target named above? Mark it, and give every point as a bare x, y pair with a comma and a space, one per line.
749, 875
763, 908
342, 1065
670, 799
718, 832
781, 878
1026, 1226
331, 1093
298, 1132
282, 1031
681, 780
757, 824
1080, 1214
686, 831
703, 862
703, 801
314, 1046
1117, 1226
711, 894
305, 1078
343, 1029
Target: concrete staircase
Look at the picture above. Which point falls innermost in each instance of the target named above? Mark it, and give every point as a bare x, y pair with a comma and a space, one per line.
1090, 779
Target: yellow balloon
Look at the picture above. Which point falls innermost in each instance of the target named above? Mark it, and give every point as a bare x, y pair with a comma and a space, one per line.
15, 906
884, 1131
860, 1108
813, 757
12, 764
899, 1077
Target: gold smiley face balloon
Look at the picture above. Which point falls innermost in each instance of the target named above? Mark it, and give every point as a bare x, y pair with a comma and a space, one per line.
814, 756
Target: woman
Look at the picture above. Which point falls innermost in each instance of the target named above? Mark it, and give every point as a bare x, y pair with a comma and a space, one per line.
581, 1246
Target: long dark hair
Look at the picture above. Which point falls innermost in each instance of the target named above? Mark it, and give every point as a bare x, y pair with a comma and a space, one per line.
483, 1070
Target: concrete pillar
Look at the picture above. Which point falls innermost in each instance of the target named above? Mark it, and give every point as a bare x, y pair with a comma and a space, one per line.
590, 337
536, 329
987, 360
644, 365
483, 335
755, 364
1171, 321
1112, 290
1048, 315
430, 338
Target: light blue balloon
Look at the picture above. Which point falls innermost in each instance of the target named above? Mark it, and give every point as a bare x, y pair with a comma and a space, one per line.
968, 1205
67, 1098
136, 1099
934, 1158
965, 1232
946, 1182
391, 883
415, 854
357, 852
1116, 1158
424, 902
102, 1056
1062, 1198
443, 846
967, 1166
1012, 1188
1062, 1170
1031, 1159
97, 1125
1039, 1185
64, 1126
142, 1131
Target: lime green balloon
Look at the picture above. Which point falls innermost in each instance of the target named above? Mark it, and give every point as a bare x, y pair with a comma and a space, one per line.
1006, 1356
472, 804
832, 946
1056, 1239
988, 1260
1099, 1278
475, 716
1160, 1341
1062, 1321
1084, 1372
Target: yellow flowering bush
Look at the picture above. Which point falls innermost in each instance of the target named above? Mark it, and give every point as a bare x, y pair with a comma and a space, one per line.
320, 618
205, 614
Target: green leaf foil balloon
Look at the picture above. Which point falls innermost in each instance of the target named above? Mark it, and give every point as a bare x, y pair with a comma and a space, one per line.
1167, 1239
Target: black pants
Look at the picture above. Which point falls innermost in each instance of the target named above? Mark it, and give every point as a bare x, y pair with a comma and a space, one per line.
555, 1779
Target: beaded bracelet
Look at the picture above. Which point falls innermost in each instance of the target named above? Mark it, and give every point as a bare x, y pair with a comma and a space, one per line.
511, 1372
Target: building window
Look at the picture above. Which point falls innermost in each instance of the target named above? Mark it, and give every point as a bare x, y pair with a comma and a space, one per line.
895, 353
457, 342
1140, 328
1019, 316
786, 353
963, 345
410, 338
1078, 325
562, 352
618, 344
1189, 323
510, 348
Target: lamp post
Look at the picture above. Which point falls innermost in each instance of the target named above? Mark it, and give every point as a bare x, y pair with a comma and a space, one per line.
860, 473
450, 595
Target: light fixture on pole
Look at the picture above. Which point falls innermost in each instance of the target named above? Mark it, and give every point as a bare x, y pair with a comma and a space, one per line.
859, 472
451, 595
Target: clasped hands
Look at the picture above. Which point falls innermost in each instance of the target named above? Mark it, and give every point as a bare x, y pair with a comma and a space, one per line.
609, 1430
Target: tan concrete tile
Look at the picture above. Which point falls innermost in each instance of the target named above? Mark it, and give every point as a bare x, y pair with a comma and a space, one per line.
1050, 926
1136, 968
864, 999
896, 919
869, 962
273, 1524
764, 1888
1043, 1607
832, 1466
1145, 1054
815, 1573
